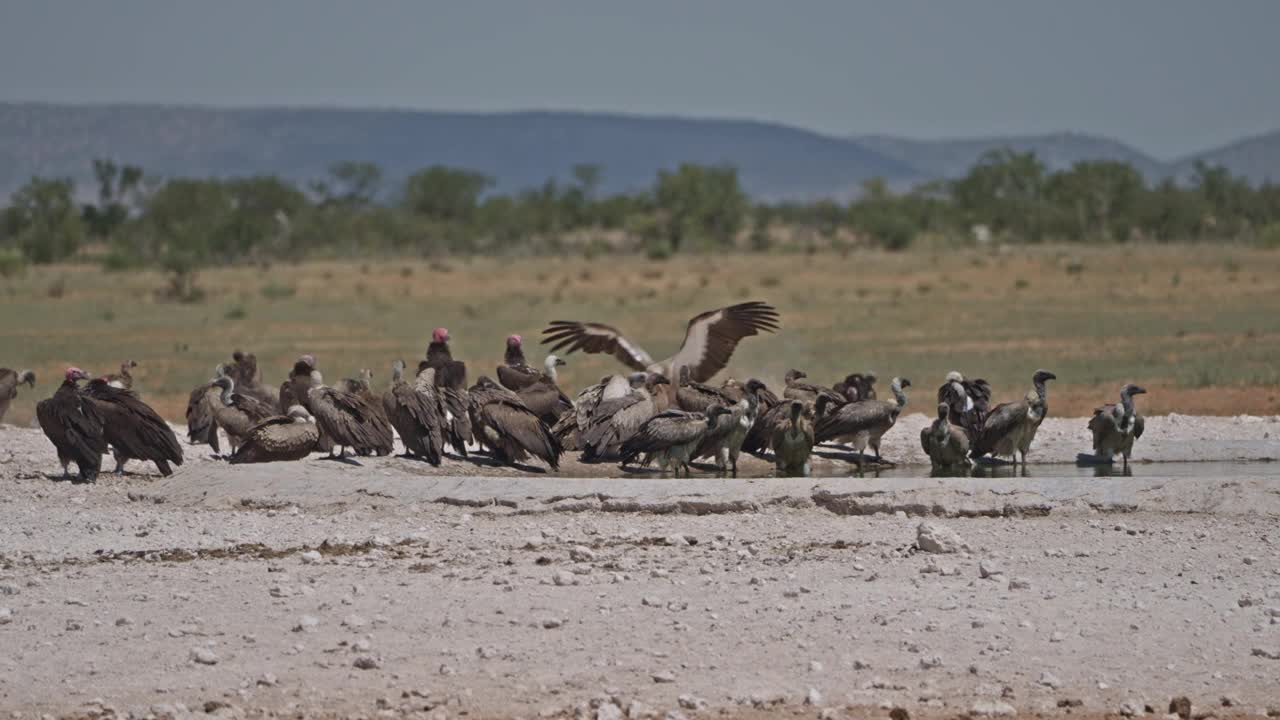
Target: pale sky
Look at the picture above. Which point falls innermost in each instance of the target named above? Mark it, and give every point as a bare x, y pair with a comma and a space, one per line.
1167, 76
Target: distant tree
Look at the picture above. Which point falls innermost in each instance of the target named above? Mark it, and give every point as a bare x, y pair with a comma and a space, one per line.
1004, 190
1096, 200
119, 191
444, 193
704, 206
42, 220
352, 184
588, 178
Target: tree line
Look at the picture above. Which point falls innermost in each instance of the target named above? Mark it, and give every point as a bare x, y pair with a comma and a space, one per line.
137, 220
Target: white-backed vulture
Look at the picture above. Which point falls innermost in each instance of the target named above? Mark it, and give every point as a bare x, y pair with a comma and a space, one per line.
232, 412
511, 431
946, 445
543, 394
296, 388
202, 428
124, 379
1116, 426
617, 419
792, 440
724, 441
414, 411
244, 370
798, 389
864, 422
350, 420
1009, 428
280, 438
968, 401
670, 438
709, 340
73, 425
768, 416
569, 429
9, 382
697, 397
133, 429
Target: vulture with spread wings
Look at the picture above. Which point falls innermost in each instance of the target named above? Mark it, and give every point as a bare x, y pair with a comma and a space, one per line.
709, 340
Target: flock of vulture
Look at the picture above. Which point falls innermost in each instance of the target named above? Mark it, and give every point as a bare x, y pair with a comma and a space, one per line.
661, 413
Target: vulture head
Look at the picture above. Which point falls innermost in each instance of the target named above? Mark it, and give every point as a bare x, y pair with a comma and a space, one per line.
308, 360
955, 376
128, 365
397, 370
716, 411
637, 380
552, 362
75, 373
943, 409
513, 341
28, 377
366, 375
793, 375
1042, 375
485, 383
1129, 390
298, 413
754, 386
441, 335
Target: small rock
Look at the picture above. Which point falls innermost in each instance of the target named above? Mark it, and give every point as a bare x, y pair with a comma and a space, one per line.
552, 623
815, 666
1057, 637
813, 697
1265, 653
354, 622
268, 680
664, 677
1048, 679
639, 711
1019, 584
581, 553
311, 557
930, 662
935, 538
608, 711
367, 662
204, 656
564, 578
1181, 706
124, 622
992, 708
307, 623
1130, 708
899, 713
989, 570
6, 616
677, 540
691, 702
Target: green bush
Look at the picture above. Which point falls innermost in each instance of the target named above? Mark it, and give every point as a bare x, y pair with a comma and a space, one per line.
12, 263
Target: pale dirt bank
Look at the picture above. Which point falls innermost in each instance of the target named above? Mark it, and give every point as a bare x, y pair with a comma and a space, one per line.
439, 592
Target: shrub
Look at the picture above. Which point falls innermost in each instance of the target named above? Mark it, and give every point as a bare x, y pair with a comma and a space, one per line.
12, 263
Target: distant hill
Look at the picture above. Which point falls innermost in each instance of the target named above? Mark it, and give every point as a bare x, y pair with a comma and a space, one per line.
520, 150
1256, 158
1058, 151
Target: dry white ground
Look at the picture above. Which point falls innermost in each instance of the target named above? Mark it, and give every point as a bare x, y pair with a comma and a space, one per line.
392, 588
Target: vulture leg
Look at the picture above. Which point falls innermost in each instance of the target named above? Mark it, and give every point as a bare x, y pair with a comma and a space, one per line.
120, 461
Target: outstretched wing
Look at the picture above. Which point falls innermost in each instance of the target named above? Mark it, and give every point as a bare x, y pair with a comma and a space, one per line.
711, 337
566, 337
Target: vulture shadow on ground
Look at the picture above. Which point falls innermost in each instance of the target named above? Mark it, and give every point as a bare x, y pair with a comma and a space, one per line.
855, 458
489, 461
950, 472
643, 470
1103, 467
348, 460
711, 468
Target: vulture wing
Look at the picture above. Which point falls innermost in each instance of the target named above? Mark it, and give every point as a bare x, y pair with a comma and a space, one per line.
1138, 426
999, 422
132, 426
518, 431
854, 417
256, 409
201, 425
8, 384
665, 430
568, 337
711, 337
517, 377
422, 408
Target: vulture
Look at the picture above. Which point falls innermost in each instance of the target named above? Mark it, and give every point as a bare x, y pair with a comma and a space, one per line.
709, 340
449, 372
1116, 426
72, 423
670, 438
568, 429
202, 428
856, 386
280, 438
515, 373
769, 414
967, 401
362, 387
295, 389
511, 431
617, 419
414, 411
350, 420
133, 429
232, 412
543, 396
244, 370
791, 440
1009, 428
696, 397
864, 422
946, 445
797, 389
724, 441
123, 380
9, 382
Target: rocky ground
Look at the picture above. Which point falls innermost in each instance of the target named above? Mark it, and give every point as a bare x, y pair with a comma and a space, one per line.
392, 588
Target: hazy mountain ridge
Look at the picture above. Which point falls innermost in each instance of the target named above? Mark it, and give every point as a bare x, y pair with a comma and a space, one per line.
522, 149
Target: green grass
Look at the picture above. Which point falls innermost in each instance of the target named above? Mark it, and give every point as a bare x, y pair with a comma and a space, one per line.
1097, 317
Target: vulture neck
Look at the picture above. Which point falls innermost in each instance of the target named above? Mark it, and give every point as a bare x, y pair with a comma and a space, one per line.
551, 371
438, 354
226, 395
514, 356
1041, 391
899, 395
1126, 402
962, 393
397, 374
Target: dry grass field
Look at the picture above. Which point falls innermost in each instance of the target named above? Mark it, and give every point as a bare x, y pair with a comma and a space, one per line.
1198, 326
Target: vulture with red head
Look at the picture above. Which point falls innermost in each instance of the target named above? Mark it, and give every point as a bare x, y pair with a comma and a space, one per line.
71, 422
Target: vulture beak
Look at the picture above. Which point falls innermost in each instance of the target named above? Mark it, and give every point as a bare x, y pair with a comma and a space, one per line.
560, 362
905, 383
1137, 390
